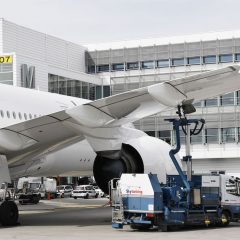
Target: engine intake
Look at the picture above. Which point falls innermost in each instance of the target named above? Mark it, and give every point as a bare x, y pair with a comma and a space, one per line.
111, 164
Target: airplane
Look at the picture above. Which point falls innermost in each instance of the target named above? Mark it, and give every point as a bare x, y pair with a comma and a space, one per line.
46, 134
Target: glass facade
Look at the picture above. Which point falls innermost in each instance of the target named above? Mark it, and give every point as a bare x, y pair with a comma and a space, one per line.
212, 102
227, 99
225, 58
6, 73
162, 63
147, 64
177, 62
118, 67
228, 135
76, 88
193, 61
103, 68
237, 57
132, 65
211, 135
209, 59
165, 135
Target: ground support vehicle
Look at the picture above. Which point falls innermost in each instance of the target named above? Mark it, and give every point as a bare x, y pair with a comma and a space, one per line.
28, 195
42, 185
64, 191
84, 191
141, 201
8, 208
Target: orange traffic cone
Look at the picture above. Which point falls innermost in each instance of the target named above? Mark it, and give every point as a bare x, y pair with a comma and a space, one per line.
48, 196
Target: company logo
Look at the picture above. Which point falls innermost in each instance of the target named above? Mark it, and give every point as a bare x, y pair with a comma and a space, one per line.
27, 76
134, 191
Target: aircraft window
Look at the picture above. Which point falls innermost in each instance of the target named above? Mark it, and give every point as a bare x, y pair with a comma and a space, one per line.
8, 114
20, 115
25, 116
30, 115
2, 113
35, 115
14, 115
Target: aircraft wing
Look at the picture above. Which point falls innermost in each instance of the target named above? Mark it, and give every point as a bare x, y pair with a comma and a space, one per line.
51, 130
139, 103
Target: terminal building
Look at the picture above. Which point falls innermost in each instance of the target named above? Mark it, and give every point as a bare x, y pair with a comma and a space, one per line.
32, 59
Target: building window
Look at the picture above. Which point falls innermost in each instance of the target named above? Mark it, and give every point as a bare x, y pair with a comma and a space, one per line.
238, 97
193, 61
198, 104
196, 139
106, 91
150, 133
212, 102
209, 59
177, 62
227, 99
147, 65
6, 73
237, 57
103, 68
91, 69
162, 63
211, 135
225, 58
165, 135
228, 135
118, 67
132, 65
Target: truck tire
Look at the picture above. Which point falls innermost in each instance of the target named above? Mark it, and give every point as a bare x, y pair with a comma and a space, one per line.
141, 227
87, 196
225, 215
9, 213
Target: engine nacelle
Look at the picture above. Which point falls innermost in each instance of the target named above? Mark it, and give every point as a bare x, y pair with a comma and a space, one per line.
140, 155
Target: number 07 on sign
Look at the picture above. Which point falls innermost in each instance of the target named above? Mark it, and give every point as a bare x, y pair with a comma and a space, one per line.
6, 59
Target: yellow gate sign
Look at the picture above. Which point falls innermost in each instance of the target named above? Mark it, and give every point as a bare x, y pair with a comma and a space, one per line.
6, 59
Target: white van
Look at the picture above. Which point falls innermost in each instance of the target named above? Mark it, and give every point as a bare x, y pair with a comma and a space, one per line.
84, 191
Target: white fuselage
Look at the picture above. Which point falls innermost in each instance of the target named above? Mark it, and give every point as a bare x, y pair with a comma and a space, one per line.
21, 104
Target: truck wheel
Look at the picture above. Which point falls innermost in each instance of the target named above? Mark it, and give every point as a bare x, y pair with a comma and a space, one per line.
62, 196
9, 213
142, 227
225, 215
164, 228
75, 197
87, 196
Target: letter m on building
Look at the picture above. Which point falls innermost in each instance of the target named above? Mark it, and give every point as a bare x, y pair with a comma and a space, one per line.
27, 76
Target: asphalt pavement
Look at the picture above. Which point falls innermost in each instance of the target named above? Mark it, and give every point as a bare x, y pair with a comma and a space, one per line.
91, 219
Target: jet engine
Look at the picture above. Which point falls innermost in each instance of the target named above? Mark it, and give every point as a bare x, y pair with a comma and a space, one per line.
140, 155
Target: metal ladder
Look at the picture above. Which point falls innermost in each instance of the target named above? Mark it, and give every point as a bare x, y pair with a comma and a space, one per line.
116, 202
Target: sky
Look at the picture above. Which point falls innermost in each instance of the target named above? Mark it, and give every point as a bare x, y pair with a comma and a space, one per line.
99, 21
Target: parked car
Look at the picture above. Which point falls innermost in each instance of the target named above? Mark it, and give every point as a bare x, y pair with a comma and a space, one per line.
84, 191
99, 192
64, 191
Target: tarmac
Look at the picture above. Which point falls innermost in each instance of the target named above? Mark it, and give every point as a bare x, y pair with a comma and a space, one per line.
91, 219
